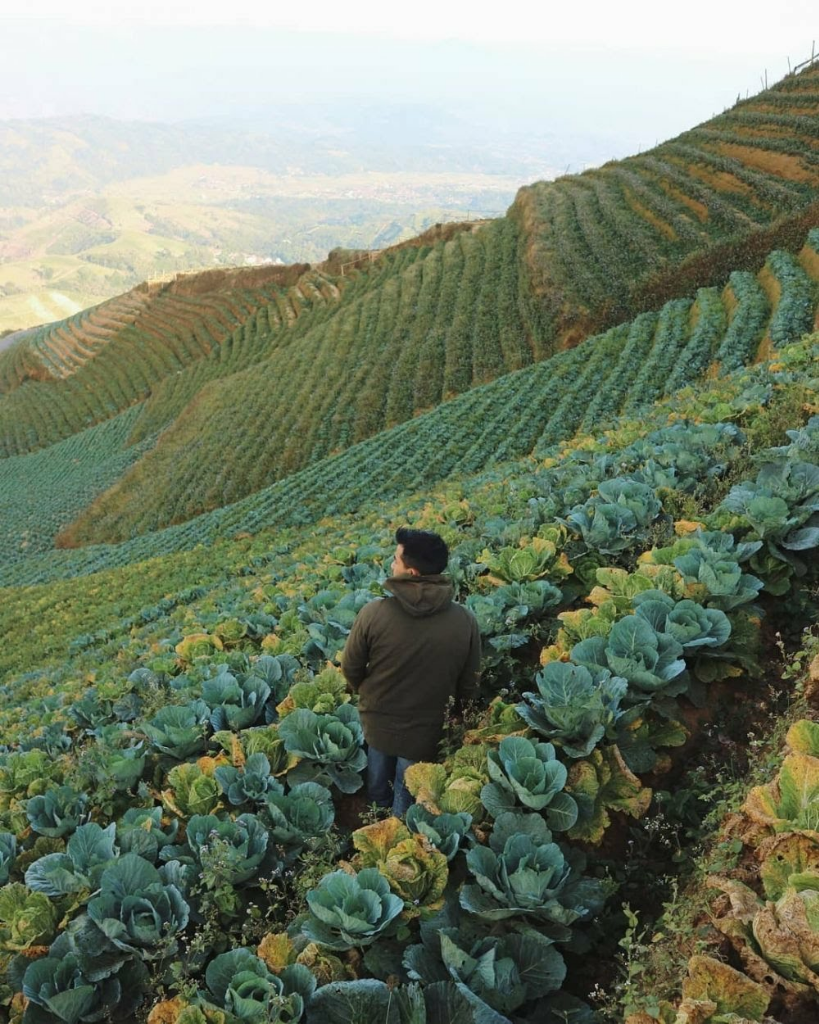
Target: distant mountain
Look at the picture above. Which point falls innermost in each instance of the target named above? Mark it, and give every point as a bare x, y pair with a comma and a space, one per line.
90, 206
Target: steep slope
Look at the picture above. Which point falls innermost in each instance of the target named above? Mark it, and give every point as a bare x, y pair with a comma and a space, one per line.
598, 242
523, 413
65, 376
159, 754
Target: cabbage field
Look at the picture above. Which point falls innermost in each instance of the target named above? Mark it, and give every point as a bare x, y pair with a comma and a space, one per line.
177, 799
200, 484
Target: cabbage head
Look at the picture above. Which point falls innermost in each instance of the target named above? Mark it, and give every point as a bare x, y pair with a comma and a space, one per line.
236, 701
88, 852
26, 918
58, 987
231, 850
446, 832
414, 868
135, 911
617, 517
649, 661
691, 625
303, 814
712, 560
242, 985
524, 874
193, 791
530, 774
179, 731
249, 784
453, 787
57, 812
574, 707
350, 910
331, 747
322, 694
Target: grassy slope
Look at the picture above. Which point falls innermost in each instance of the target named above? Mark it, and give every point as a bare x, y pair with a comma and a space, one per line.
410, 343
521, 413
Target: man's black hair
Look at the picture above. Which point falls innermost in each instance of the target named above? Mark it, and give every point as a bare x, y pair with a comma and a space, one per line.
423, 550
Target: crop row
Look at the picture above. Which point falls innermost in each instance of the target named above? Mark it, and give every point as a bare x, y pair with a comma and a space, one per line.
176, 782
446, 320
596, 239
170, 332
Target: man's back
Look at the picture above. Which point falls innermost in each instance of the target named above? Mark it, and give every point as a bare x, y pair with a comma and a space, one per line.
408, 655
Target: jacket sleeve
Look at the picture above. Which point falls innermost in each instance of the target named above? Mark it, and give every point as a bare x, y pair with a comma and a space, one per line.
468, 680
356, 651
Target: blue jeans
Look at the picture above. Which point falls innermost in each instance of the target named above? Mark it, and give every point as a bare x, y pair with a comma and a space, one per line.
385, 781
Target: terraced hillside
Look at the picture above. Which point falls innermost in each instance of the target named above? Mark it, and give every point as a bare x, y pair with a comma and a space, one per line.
65, 376
324, 359
578, 392
600, 243
626, 368
168, 751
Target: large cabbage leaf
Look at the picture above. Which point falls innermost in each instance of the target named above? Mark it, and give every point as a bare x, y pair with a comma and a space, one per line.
574, 707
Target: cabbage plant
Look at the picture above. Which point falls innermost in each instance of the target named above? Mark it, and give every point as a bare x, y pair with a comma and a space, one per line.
297, 817
691, 625
530, 774
651, 662
59, 990
135, 912
141, 830
617, 517
88, 852
242, 985
231, 850
235, 701
453, 787
57, 812
713, 561
331, 747
179, 730
574, 707
350, 910
502, 971
522, 873
446, 832
26, 918
414, 868
249, 784
192, 791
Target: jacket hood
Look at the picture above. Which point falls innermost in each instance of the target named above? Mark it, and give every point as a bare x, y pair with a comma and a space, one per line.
421, 596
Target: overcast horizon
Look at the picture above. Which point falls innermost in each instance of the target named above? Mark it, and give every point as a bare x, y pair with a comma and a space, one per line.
583, 76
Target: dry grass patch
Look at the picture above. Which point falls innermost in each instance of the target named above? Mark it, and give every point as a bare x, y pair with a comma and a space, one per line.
782, 165
648, 215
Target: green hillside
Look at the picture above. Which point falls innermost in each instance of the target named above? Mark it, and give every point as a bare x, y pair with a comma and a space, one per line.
199, 485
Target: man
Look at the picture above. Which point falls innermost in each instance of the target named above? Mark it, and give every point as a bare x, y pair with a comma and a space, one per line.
406, 656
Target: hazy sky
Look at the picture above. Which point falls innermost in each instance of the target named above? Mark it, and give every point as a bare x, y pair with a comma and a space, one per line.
634, 72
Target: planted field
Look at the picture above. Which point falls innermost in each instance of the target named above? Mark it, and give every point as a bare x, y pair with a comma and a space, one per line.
62, 378
601, 243
209, 771
623, 370
430, 323
41, 493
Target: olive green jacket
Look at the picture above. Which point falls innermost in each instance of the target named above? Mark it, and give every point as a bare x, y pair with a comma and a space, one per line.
406, 656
